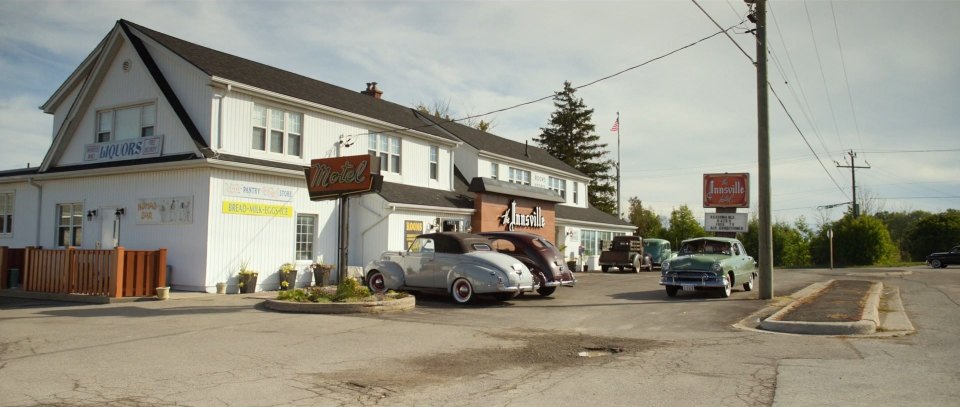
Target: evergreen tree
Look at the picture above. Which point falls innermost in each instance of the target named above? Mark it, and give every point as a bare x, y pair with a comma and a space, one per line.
570, 137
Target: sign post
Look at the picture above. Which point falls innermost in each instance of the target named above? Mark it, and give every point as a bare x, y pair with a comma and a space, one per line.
338, 178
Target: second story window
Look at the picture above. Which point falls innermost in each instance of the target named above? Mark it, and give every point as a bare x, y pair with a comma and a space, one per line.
559, 185
388, 149
494, 171
519, 176
576, 192
126, 123
434, 162
277, 131
6, 213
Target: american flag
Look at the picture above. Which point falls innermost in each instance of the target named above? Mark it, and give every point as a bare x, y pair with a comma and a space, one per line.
616, 125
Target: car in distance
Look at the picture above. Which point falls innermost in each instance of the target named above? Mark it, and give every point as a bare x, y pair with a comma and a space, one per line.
539, 255
940, 260
462, 265
657, 250
709, 263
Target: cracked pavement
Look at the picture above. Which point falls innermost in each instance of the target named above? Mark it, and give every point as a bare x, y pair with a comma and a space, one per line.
645, 348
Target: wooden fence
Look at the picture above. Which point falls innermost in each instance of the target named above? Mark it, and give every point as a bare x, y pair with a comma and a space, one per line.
110, 273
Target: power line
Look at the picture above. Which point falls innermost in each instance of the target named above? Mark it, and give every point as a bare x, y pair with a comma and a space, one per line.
518, 105
823, 77
843, 65
910, 151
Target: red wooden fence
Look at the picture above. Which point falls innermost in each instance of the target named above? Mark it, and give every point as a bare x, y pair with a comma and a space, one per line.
111, 273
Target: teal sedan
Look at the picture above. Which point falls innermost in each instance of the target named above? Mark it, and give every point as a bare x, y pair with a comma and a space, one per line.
713, 263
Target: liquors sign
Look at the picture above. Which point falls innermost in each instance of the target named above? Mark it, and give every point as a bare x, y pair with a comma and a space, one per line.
726, 190
511, 219
142, 147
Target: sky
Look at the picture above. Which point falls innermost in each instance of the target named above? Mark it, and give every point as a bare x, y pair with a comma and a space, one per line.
878, 79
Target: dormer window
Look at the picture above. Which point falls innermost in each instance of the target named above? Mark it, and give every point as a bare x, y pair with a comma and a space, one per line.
126, 123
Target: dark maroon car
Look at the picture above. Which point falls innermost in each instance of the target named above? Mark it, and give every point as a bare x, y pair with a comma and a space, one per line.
539, 255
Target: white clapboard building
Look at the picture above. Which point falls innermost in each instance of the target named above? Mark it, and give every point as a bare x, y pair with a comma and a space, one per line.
162, 143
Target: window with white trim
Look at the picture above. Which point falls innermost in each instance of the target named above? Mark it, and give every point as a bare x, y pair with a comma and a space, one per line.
387, 148
559, 185
126, 123
519, 176
434, 162
306, 230
576, 192
277, 131
69, 224
494, 171
6, 213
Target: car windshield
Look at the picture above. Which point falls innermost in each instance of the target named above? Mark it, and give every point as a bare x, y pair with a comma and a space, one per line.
652, 248
705, 247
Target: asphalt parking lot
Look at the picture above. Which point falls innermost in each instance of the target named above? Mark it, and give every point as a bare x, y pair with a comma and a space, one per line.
616, 339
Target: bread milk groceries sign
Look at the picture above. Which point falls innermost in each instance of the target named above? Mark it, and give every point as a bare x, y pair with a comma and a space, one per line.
726, 190
329, 178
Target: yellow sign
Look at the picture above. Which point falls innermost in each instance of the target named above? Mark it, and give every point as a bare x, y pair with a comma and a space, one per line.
257, 209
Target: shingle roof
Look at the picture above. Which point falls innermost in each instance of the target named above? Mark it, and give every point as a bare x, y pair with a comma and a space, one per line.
589, 214
492, 143
411, 195
223, 65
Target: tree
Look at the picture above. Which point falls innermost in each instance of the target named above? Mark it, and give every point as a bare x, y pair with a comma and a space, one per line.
900, 224
683, 225
791, 244
570, 137
647, 222
442, 110
857, 241
934, 233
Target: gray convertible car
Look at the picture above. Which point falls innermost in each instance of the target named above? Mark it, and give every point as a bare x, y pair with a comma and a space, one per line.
462, 265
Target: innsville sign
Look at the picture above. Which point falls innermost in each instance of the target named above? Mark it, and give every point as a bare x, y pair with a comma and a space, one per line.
726, 190
511, 219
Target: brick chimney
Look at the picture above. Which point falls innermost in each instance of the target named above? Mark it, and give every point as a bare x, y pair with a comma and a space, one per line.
372, 90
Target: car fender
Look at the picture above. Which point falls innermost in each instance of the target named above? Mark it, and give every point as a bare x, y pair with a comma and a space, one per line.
392, 273
482, 277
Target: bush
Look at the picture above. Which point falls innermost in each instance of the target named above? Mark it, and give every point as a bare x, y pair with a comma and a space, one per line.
351, 289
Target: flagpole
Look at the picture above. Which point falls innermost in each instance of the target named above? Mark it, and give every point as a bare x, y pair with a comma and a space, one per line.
618, 166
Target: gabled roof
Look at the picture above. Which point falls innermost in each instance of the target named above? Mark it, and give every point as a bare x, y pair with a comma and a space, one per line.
492, 143
234, 68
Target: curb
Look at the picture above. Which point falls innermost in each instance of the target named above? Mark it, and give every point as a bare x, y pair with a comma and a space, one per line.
372, 307
866, 325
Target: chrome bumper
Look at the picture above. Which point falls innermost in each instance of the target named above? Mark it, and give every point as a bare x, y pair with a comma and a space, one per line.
707, 280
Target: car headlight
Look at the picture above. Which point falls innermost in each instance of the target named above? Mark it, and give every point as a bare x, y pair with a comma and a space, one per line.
665, 266
717, 267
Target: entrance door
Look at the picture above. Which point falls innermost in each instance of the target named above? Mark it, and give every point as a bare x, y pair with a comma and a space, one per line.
109, 229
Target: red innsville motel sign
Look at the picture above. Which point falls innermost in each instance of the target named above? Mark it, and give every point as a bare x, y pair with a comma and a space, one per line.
726, 190
329, 178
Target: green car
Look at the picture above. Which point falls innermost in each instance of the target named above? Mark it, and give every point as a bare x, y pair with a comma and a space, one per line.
709, 263
658, 250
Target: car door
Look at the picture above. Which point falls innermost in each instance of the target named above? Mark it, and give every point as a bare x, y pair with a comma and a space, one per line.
417, 261
953, 257
744, 266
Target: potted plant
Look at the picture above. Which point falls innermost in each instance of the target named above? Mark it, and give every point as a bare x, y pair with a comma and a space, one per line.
288, 276
247, 279
321, 274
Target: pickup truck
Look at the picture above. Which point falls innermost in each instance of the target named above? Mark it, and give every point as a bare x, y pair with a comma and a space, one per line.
942, 259
624, 252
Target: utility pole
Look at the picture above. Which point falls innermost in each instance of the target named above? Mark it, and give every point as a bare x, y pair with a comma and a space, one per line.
853, 179
765, 264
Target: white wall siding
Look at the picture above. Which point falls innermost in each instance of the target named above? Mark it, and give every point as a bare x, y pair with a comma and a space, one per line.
60, 114
189, 84
119, 89
263, 242
25, 210
186, 252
